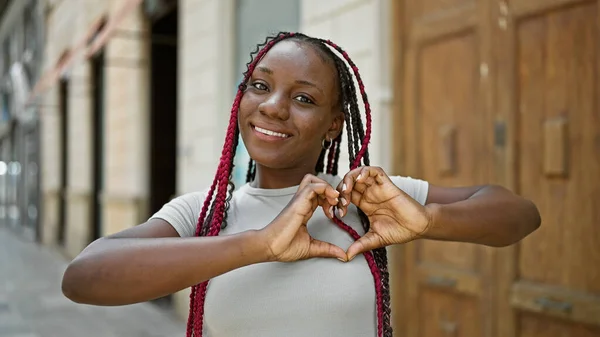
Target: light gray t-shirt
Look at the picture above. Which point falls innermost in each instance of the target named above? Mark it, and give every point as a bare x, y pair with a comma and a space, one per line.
315, 297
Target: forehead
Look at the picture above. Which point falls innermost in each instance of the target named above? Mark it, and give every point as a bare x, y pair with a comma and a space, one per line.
299, 59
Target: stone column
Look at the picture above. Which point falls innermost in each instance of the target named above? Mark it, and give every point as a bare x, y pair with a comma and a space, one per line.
126, 150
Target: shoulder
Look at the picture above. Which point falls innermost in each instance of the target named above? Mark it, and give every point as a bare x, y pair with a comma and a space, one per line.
182, 212
416, 188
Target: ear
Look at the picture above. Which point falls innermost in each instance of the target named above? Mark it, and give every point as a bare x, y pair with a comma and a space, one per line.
337, 124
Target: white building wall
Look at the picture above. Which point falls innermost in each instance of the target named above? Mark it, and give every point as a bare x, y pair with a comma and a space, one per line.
206, 93
206, 63
361, 28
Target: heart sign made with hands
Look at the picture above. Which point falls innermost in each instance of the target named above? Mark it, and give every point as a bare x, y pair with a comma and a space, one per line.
394, 216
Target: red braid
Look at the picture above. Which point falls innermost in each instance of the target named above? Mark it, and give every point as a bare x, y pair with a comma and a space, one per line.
198, 294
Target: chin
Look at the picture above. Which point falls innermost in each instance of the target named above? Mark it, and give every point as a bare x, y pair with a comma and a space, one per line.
271, 159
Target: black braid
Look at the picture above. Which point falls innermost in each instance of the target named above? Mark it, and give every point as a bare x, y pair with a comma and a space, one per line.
230, 184
251, 171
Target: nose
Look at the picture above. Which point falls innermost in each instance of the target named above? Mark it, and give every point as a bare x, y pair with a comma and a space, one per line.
275, 106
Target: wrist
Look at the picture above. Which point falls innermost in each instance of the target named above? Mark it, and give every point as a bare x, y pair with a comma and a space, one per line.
254, 247
434, 214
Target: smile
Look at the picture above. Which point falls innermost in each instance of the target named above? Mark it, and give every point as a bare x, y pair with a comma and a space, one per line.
270, 133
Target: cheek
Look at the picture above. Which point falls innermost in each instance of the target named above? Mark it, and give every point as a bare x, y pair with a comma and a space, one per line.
247, 105
243, 108
315, 124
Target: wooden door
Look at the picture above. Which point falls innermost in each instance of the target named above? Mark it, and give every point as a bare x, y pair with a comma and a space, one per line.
548, 98
444, 289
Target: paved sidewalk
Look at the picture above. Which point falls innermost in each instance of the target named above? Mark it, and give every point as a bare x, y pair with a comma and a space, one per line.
32, 304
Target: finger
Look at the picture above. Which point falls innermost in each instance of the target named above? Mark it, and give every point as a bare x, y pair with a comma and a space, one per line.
320, 248
329, 211
328, 208
345, 188
325, 201
323, 195
369, 177
318, 190
310, 179
342, 206
364, 183
366, 243
376, 173
349, 179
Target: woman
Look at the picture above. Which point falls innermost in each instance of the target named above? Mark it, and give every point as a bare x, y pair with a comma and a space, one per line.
290, 110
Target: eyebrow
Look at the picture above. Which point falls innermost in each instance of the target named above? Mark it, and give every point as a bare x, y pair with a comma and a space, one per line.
302, 82
265, 70
310, 84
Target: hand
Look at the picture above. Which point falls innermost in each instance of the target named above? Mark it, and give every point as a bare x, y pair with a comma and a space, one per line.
395, 217
287, 236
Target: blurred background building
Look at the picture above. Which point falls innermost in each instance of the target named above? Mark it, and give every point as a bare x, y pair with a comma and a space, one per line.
112, 107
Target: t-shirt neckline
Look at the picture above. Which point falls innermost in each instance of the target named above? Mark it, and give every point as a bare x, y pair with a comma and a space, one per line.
276, 192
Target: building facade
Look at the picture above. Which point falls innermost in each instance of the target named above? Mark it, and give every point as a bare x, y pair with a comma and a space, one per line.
22, 45
133, 100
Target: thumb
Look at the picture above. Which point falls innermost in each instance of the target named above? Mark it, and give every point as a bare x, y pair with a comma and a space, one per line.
320, 248
366, 243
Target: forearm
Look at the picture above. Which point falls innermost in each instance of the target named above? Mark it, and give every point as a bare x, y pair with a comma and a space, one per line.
493, 216
122, 271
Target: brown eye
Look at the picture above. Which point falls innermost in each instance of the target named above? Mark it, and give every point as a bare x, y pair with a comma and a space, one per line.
259, 86
304, 99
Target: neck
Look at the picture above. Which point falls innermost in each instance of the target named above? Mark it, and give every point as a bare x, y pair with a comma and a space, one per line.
270, 178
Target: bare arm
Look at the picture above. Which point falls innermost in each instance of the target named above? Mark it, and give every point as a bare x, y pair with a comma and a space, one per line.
151, 260
489, 215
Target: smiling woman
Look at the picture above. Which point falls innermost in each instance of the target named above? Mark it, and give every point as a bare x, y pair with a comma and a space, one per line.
278, 267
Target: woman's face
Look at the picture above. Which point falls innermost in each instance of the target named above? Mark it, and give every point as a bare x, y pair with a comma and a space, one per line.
289, 107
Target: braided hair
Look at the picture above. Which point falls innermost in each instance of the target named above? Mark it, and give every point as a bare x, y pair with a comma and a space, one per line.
213, 217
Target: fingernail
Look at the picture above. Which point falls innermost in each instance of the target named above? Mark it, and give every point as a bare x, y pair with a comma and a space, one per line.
339, 258
343, 201
331, 211
336, 200
340, 212
359, 176
344, 188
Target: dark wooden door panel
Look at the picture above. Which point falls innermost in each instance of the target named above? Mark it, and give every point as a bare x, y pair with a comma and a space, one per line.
548, 73
446, 108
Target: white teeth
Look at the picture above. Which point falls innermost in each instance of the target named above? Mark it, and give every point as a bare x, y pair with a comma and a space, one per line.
270, 133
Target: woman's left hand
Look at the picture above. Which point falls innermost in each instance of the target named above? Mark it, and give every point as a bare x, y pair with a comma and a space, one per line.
395, 217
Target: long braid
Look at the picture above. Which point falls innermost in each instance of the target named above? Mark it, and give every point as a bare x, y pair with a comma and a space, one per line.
251, 171
357, 145
195, 321
380, 254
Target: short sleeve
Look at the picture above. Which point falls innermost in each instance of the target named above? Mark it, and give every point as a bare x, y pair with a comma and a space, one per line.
416, 188
182, 212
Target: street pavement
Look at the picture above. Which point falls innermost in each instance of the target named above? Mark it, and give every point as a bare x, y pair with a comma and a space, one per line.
32, 304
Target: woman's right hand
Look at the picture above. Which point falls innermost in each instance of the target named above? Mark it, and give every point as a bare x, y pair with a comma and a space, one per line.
287, 237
